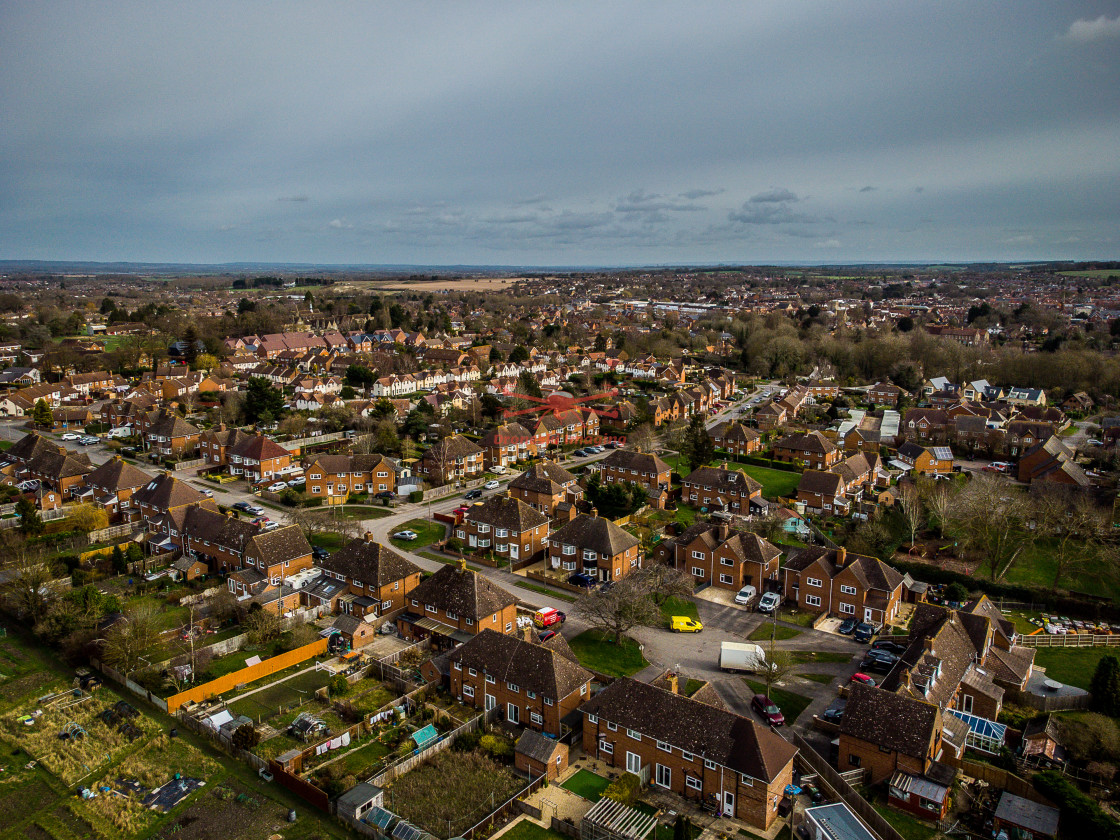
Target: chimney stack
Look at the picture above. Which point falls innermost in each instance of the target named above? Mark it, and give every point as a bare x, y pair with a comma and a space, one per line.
528, 634
724, 531
368, 537
841, 557
674, 684
594, 512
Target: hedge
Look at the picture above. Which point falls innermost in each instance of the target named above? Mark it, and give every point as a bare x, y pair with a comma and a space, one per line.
1081, 815
416, 496
756, 461
624, 789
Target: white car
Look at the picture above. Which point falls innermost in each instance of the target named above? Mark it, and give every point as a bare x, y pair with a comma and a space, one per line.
297, 482
71, 436
769, 602
407, 536
277, 487
89, 440
492, 484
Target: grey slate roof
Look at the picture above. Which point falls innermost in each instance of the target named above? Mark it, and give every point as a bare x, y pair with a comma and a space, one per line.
369, 562
462, 591
596, 533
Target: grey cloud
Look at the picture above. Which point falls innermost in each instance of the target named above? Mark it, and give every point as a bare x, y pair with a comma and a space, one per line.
692, 195
1100, 29
775, 195
768, 213
867, 189
299, 199
640, 201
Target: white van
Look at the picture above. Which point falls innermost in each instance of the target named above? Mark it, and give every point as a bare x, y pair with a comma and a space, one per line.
745, 595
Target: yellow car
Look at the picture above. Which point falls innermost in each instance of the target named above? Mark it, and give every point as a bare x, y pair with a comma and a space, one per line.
684, 624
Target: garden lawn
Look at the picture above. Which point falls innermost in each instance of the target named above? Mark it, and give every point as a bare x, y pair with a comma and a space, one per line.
598, 653
587, 784
911, 828
361, 512
762, 632
426, 534
1073, 666
791, 704
1035, 566
774, 483
527, 830
823, 679
678, 606
804, 657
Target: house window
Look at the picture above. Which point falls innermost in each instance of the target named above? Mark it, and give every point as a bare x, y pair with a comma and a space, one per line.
698, 555
746, 780
458, 666
430, 608
687, 756
847, 590
636, 736
812, 600
592, 718
489, 679
812, 581
613, 727
853, 759
415, 603
474, 673
661, 745
697, 571
548, 700
693, 782
726, 561
847, 609
509, 626
452, 616
725, 578
468, 691
532, 695
536, 718
664, 776
606, 747
470, 622
709, 765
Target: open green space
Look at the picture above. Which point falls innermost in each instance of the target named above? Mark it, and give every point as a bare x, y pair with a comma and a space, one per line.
805, 657
597, 652
1036, 565
790, 703
1072, 666
358, 512
1092, 272
587, 784
801, 619
677, 606
426, 533
823, 679
526, 830
544, 590
775, 483
780, 631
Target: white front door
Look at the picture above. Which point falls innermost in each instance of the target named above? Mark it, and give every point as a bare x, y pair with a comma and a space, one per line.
633, 763
867, 614
513, 713
728, 804
490, 702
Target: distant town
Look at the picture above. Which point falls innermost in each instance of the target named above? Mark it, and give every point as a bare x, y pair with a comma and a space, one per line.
644, 554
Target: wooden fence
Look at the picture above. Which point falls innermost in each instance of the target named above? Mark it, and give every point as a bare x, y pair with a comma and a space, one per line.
405, 764
1073, 640
484, 827
831, 780
105, 534
247, 674
137, 689
1000, 778
1055, 703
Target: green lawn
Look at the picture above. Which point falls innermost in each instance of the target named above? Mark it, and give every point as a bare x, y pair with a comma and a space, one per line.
1035, 566
360, 512
6, 444
911, 828
774, 483
426, 533
762, 632
823, 679
678, 606
600, 654
802, 619
587, 784
544, 590
526, 830
329, 540
805, 657
791, 704
1073, 666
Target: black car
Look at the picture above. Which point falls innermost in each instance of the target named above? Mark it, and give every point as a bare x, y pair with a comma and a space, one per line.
877, 664
614, 444
579, 453
847, 627
319, 553
245, 506
889, 645
580, 579
833, 714
865, 632
384, 494
473, 494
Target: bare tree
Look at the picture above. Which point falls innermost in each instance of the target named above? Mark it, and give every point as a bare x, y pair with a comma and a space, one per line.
662, 582
642, 438
675, 435
913, 510
620, 608
940, 498
990, 514
132, 640
1075, 526
27, 578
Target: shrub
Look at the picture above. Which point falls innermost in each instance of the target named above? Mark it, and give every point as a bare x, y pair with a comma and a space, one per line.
467, 742
497, 747
1080, 814
624, 789
416, 496
338, 686
454, 544
290, 498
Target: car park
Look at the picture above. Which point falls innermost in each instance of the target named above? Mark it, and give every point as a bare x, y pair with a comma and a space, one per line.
860, 677
684, 624
847, 627
580, 579
492, 484
406, 535
473, 494
277, 487
769, 602
71, 436
767, 710
745, 595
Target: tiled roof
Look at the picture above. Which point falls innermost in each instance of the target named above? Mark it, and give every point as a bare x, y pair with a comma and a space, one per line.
890, 720
525, 664
596, 533
368, 562
462, 591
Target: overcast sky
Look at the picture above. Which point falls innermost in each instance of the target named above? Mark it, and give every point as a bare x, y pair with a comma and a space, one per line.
559, 133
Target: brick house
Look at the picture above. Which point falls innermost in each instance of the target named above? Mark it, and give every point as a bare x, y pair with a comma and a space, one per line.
532, 684
924, 460
823, 492
1053, 461
548, 487
452, 459
214, 444
884, 394
595, 546
205, 535
641, 468
257, 457
172, 436
722, 556
507, 445
334, 477
720, 487
883, 732
700, 752
111, 486
1021, 435
930, 424
812, 449
57, 468
736, 438
163, 494
376, 578
506, 527
454, 604
840, 583
278, 554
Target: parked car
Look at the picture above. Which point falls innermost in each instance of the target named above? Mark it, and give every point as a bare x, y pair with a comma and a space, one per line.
384, 494
129, 451
876, 664
580, 453
406, 535
71, 436
745, 595
492, 484
207, 492
89, 440
768, 710
245, 506
860, 677
297, 482
319, 553
261, 520
847, 627
277, 487
769, 602
684, 624
580, 579
255, 511
271, 526
473, 494
614, 444
596, 450
498, 469
546, 635
865, 632
834, 713
889, 645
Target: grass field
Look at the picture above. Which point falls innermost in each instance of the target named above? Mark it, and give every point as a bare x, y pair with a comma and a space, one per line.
587, 784
762, 632
1035, 566
677, 606
775, 483
1073, 666
601, 654
266, 704
426, 533
805, 657
1093, 272
790, 703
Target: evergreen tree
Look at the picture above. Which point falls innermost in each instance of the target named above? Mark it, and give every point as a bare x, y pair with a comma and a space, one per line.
42, 414
30, 523
698, 448
120, 565
1105, 687
263, 401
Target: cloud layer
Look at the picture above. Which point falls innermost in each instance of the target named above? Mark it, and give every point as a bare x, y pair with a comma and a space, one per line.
585, 133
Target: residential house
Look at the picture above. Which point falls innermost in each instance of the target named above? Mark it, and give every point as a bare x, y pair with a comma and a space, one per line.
812, 449
719, 487
843, 583
1053, 461
172, 436
112, 484
258, 458
700, 752
55, 467
203, 534
376, 580
924, 460
334, 477
885, 394
548, 487
1022, 435
162, 495
507, 445
595, 546
642, 468
823, 492
736, 438
722, 556
505, 527
454, 604
532, 684
452, 459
